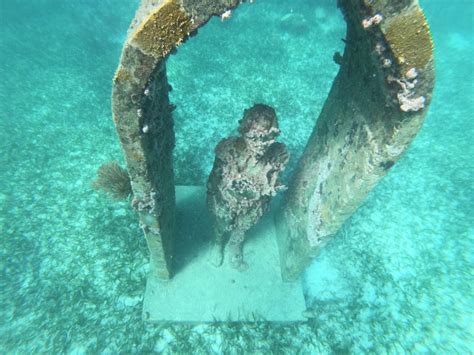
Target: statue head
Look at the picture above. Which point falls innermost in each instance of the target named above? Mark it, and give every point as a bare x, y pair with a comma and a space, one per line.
259, 123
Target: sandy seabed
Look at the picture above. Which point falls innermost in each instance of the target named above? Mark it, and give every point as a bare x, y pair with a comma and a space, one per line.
397, 278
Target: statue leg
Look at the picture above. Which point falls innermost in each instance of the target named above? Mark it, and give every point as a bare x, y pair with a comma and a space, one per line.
236, 250
217, 250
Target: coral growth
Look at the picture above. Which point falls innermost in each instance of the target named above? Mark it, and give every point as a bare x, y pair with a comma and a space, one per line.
408, 36
114, 180
406, 96
371, 21
165, 28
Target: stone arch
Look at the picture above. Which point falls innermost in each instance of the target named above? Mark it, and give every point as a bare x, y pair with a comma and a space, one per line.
375, 107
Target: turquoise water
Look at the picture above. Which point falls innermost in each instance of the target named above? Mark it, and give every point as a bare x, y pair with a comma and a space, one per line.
397, 278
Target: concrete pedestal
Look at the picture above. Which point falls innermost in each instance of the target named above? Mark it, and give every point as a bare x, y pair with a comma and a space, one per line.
200, 292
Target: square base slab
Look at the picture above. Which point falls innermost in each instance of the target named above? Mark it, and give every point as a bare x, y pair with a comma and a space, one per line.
200, 292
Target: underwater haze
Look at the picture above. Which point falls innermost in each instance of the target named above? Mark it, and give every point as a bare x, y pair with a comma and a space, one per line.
397, 278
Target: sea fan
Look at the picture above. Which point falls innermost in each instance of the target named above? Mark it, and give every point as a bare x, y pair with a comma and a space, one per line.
114, 180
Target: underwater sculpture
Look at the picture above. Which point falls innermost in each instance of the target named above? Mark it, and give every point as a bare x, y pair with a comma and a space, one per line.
142, 114
243, 180
376, 106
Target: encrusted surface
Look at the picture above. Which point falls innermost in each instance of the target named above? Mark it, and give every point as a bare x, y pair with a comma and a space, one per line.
165, 28
142, 116
408, 36
201, 10
143, 121
362, 131
244, 179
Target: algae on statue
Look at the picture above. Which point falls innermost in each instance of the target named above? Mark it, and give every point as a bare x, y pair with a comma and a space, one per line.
243, 180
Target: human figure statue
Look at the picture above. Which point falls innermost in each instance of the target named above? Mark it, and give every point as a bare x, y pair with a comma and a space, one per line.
243, 180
